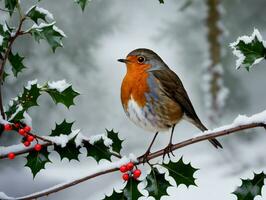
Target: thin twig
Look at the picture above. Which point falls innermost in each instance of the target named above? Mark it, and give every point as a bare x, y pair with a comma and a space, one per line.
150, 157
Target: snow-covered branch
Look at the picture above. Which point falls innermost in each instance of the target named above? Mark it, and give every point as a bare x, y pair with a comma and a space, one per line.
240, 123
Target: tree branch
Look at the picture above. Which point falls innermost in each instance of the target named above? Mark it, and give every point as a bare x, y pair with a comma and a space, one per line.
210, 134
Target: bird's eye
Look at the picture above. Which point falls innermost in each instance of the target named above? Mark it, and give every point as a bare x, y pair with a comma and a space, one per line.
141, 59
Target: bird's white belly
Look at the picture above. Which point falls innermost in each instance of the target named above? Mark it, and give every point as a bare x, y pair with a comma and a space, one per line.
143, 117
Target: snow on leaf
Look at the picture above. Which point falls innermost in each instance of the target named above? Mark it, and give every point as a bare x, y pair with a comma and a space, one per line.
98, 150
117, 143
64, 128
250, 50
52, 34
36, 160
29, 97
115, 196
182, 173
70, 151
16, 62
250, 188
65, 97
60, 86
156, 184
35, 13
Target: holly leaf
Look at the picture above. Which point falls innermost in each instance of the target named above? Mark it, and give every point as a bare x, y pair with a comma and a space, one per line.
64, 128
98, 150
65, 97
250, 50
82, 3
35, 13
182, 173
131, 191
4, 37
117, 143
161, 1
36, 160
115, 196
16, 62
70, 151
49, 32
30, 96
250, 188
156, 184
10, 5
15, 112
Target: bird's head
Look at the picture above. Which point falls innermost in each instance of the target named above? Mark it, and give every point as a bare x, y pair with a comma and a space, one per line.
146, 59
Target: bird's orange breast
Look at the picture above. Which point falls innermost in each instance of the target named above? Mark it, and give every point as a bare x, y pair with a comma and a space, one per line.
135, 85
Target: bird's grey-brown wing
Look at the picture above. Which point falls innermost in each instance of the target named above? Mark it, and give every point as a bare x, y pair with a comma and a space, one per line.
174, 89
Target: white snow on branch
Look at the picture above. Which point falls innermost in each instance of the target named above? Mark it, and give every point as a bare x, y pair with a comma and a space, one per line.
62, 139
100, 168
247, 40
60, 86
19, 108
107, 141
239, 121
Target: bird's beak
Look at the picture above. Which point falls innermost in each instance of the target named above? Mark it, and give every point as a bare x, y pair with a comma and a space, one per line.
123, 60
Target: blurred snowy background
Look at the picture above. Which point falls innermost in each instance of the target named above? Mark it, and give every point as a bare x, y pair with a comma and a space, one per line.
108, 30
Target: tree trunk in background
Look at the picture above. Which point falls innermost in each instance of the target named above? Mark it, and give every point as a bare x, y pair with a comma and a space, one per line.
213, 76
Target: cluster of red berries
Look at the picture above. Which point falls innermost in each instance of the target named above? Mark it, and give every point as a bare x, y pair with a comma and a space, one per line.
129, 172
24, 131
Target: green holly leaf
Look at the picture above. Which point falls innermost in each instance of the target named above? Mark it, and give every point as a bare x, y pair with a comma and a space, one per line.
161, 1
4, 37
36, 160
16, 62
65, 97
10, 5
35, 13
98, 150
64, 128
70, 151
15, 112
182, 173
82, 3
131, 191
117, 143
249, 50
250, 188
30, 96
115, 196
49, 32
156, 184
5, 75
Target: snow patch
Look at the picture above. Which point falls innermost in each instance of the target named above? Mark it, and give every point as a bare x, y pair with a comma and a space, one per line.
30, 83
60, 86
19, 108
107, 141
42, 11
1, 40
4, 196
2, 121
247, 40
59, 31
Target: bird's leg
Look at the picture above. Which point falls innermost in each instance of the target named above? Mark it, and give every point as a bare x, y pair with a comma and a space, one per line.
146, 154
168, 148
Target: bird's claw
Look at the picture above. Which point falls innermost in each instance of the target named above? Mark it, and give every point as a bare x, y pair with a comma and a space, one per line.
168, 150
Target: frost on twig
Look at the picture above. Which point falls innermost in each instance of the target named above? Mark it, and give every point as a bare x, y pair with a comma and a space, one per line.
249, 50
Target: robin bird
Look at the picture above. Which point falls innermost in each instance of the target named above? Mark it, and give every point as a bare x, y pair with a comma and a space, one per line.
154, 98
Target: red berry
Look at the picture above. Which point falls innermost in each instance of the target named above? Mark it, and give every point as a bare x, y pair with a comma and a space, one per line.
30, 138
38, 147
17, 125
125, 177
22, 132
26, 143
123, 168
11, 155
8, 127
27, 129
130, 166
136, 173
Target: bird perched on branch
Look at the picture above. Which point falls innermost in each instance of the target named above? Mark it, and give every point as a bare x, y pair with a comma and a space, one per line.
154, 97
